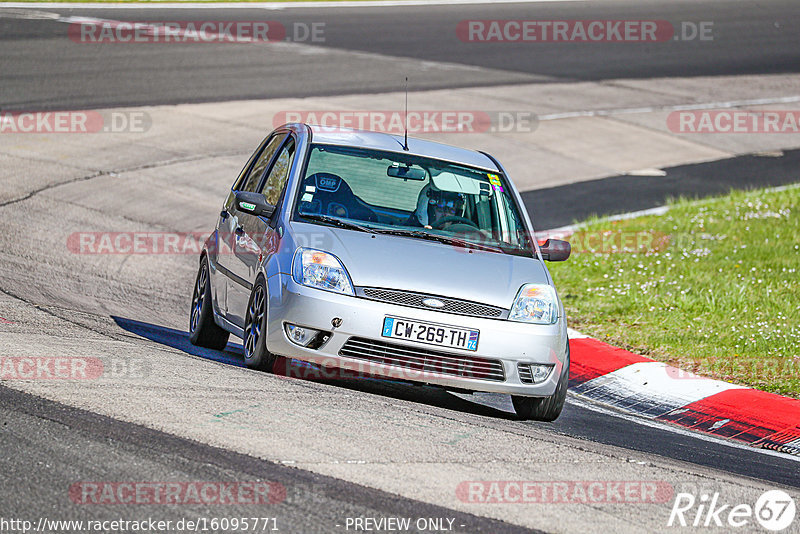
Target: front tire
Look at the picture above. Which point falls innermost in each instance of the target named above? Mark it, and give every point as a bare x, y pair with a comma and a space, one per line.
256, 355
203, 331
544, 408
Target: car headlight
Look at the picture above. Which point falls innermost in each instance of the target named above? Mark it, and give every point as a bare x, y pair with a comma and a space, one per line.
535, 303
321, 270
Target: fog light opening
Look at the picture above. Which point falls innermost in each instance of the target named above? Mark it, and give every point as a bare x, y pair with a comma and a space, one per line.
539, 373
306, 337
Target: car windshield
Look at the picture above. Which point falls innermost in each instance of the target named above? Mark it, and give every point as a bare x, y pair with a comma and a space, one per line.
412, 196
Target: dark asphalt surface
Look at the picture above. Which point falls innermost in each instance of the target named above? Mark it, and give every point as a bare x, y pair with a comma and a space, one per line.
576, 420
559, 206
43, 69
47, 447
581, 422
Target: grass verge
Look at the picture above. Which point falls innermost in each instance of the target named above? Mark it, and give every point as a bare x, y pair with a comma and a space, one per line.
711, 287
33, 2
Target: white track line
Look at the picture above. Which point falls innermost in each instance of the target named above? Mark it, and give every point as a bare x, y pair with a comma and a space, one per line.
167, 33
725, 104
270, 5
660, 210
604, 409
638, 379
570, 228
651, 389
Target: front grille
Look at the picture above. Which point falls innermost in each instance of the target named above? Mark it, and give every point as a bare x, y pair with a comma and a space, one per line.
524, 371
414, 300
423, 360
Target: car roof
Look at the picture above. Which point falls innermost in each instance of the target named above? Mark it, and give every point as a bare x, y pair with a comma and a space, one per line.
394, 143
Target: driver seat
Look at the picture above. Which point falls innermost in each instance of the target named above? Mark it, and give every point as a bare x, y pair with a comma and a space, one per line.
326, 193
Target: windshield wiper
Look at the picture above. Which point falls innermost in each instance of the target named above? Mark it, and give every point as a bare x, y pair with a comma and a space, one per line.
448, 240
341, 223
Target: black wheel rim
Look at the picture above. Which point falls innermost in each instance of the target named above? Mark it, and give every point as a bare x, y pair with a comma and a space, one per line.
255, 318
198, 298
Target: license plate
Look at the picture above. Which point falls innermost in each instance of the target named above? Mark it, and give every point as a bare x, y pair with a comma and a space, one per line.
431, 333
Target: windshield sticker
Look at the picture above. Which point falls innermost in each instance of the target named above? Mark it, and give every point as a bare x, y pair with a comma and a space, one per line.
314, 206
495, 180
328, 182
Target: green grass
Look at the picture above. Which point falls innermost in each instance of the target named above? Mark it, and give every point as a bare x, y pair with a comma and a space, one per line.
711, 287
177, 1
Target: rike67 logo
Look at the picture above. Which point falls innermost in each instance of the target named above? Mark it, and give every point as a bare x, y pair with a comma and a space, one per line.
774, 510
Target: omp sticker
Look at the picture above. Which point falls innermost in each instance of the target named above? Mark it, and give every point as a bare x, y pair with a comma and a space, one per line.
328, 183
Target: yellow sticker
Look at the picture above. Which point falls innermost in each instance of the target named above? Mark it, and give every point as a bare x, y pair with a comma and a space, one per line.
494, 179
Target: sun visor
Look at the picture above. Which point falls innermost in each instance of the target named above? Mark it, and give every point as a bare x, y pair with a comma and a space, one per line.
448, 181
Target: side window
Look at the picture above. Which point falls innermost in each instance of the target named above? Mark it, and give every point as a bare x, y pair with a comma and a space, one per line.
278, 174
254, 177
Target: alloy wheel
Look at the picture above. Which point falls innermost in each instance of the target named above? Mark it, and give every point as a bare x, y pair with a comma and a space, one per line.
255, 314
198, 297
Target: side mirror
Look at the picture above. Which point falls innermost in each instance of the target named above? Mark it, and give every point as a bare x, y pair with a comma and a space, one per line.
254, 204
555, 250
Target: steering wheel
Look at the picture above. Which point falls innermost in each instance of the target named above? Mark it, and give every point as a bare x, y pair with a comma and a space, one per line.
453, 219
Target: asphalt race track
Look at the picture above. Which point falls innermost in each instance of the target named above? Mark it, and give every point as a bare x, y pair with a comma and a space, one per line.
339, 449
605, 196
40, 71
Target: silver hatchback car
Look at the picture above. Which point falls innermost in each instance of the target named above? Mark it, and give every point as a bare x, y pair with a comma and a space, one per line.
405, 259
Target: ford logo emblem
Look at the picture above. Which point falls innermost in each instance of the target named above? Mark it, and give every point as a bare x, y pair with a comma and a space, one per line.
433, 303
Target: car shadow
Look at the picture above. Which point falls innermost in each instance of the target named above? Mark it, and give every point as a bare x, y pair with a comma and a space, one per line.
485, 404
178, 339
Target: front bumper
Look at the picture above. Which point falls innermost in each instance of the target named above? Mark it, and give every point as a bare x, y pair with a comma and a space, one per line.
506, 341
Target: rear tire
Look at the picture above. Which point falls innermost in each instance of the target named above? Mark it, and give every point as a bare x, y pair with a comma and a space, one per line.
544, 408
256, 355
203, 331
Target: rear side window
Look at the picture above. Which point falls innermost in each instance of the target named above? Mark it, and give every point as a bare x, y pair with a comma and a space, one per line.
250, 182
279, 173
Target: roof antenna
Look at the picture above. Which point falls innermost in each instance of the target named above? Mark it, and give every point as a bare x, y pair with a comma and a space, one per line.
405, 120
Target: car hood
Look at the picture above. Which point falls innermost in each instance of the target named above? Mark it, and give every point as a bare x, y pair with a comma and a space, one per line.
411, 264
